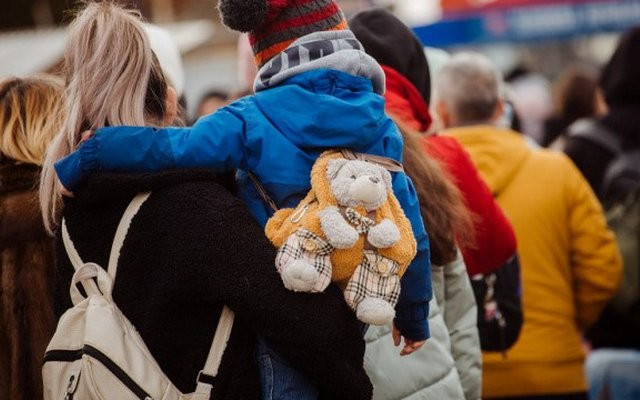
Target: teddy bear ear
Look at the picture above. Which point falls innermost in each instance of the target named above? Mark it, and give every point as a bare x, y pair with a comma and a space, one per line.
386, 176
334, 166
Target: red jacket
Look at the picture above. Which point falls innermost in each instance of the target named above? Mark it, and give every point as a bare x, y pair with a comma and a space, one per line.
495, 239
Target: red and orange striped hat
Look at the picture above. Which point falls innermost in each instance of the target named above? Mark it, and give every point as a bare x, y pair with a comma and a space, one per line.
274, 24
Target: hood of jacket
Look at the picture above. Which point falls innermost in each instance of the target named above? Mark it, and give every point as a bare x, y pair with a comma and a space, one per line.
325, 108
323, 90
404, 101
392, 43
499, 154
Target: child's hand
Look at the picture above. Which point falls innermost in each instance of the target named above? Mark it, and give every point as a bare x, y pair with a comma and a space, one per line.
409, 345
65, 192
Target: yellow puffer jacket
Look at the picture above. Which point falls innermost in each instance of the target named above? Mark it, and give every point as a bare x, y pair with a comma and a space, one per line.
569, 258
344, 261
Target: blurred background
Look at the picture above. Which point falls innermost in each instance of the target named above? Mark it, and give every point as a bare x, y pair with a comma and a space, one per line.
536, 39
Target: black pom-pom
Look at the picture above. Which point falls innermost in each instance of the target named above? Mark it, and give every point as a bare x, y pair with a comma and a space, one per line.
243, 15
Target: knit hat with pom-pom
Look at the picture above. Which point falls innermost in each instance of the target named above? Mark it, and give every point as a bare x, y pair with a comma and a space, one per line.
274, 24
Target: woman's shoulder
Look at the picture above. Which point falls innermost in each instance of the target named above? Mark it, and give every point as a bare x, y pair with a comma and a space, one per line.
196, 203
180, 201
208, 194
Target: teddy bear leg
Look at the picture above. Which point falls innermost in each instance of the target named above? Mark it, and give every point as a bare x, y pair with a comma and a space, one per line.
375, 311
374, 289
300, 276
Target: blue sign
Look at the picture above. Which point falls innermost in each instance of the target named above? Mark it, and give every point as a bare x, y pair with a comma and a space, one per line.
533, 23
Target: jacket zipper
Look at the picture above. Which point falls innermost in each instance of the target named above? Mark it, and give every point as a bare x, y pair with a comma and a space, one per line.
73, 355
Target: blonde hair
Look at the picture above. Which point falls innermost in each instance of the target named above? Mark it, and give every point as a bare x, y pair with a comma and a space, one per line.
30, 116
113, 78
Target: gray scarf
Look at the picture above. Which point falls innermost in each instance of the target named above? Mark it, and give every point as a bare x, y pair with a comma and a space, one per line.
337, 50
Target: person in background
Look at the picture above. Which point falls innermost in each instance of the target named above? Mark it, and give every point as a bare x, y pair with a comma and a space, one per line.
532, 102
449, 364
30, 115
620, 85
204, 247
613, 365
211, 102
445, 214
408, 95
576, 97
570, 261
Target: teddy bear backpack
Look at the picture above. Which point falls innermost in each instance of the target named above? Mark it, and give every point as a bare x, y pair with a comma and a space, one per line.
97, 354
350, 230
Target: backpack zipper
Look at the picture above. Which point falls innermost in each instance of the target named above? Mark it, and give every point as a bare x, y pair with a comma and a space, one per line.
119, 373
72, 386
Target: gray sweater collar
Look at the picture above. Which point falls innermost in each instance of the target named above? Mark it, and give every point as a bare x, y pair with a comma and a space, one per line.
337, 50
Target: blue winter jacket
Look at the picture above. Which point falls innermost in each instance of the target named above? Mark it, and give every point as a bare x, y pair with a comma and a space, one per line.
277, 134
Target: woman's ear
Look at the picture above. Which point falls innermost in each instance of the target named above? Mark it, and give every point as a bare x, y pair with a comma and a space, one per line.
443, 114
171, 107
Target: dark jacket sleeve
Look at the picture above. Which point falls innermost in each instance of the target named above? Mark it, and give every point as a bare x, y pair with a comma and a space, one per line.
317, 333
412, 310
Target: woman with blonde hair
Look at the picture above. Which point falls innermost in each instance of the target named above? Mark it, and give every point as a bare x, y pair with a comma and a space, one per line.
30, 115
193, 247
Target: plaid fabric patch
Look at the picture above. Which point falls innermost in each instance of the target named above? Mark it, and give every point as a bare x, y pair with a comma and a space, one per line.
307, 246
376, 277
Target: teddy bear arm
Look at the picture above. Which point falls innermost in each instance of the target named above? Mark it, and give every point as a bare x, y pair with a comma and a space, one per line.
337, 230
384, 235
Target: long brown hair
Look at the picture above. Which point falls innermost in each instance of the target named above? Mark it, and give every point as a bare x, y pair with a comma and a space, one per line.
444, 212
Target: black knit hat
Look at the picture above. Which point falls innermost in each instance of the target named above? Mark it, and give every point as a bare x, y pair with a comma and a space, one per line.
393, 44
621, 77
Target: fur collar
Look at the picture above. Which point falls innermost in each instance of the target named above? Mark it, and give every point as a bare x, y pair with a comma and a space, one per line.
20, 218
16, 177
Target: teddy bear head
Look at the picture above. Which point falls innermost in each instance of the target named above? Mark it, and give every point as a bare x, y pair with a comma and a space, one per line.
358, 183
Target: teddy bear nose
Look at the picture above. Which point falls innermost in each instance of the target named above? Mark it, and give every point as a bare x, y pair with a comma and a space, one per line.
374, 179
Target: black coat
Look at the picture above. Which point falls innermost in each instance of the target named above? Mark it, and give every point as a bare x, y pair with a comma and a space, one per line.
26, 287
192, 248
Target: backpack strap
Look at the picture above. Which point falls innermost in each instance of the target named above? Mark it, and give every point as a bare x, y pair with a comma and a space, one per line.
70, 248
118, 241
123, 229
207, 376
387, 163
262, 191
594, 132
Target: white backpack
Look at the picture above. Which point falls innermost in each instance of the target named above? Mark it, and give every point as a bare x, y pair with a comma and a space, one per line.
97, 354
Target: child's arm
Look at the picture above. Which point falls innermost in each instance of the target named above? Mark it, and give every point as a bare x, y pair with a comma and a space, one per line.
412, 310
216, 141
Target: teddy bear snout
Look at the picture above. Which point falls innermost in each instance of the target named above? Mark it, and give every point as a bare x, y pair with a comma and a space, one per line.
365, 189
